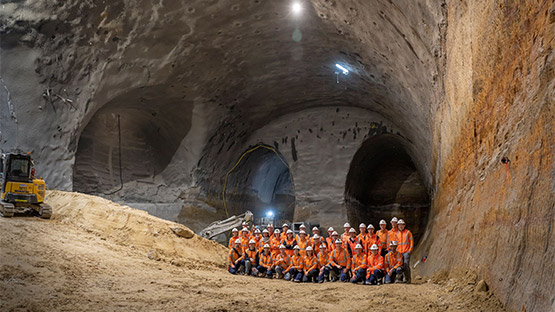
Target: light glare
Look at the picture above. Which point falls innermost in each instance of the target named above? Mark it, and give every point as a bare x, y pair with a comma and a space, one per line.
343, 69
296, 8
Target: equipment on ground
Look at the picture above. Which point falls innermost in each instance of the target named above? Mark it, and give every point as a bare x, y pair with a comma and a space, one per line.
20, 191
218, 227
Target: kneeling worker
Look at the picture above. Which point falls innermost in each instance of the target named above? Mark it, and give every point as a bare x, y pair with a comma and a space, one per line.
251, 259
393, 263
310, 266
281, 262
375, 266
295, 270
340, 262
235, 258
323, 264
266, 262
359, 265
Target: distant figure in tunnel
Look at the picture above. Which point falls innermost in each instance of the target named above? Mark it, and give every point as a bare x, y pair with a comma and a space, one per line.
235, 258
393, 264
406, 245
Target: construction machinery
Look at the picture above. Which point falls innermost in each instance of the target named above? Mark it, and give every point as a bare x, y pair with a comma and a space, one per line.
21, 192
220, 227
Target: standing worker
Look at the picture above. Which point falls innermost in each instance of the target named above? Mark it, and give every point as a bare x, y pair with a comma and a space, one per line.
393, 263
234, 237
352, 242
244, 239
302, 242
340, 262
310, 266
375, 266
406, 245
275, 242
372, 238
383, 234
329, 241
345, 236
363, 236
358, 265
290, 243
392, 234
284, 229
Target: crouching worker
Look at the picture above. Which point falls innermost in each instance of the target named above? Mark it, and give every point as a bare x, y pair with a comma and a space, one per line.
375, 266
251, 259
358, 265
323, 264
266, 265
295, 270
235, 258
310, 266
393, 263
340, 262
282, 262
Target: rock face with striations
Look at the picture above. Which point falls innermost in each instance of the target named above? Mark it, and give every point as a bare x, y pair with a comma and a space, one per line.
172, 107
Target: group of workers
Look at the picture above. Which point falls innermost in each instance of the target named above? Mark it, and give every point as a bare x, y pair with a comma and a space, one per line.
368, 257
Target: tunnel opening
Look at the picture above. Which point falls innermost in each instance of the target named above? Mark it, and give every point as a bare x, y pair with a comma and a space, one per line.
151, 129
383, 183
261, 181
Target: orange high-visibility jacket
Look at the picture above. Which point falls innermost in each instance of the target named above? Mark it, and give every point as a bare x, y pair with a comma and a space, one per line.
310, 263
316, 248
267, 261
393, 261
282, 261
290, 243
323, 259
384, 239
244, 243
252, 254
374, 263
363, 238
344, 237
234, 255
405, 241
358, 262
302, 244
296, 263
283, 236
232, 241
352, 244
341, 257
373, 239
331, 244
275, 242
391, 236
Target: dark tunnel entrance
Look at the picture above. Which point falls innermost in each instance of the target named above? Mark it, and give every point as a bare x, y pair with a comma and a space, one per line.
383, 182
260, 182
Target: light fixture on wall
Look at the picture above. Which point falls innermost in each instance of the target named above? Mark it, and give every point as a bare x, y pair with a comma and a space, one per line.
342, 70
296, 8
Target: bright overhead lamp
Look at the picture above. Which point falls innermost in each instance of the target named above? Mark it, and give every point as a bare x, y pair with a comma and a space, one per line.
343, 69
296, 8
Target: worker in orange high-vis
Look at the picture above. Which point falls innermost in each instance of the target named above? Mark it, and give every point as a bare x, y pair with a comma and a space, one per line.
374, 273
363, 236
358, 265
270, 228
284, 229
345, 236
281, 262
257, 238
323, 264
393, 232
340, 262
295, 270
245, 225
383, 234
331, 240
405, 246
316, 241
328, 240
290, 242
266, 263
244, 239
372, 238
393, 263
251, 257
352, 241
264, 240
302, 227
235, 258
310, 266
302, 242
234, 237
275, 242
315, 231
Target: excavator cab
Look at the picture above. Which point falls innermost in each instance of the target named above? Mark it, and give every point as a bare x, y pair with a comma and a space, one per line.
20, 191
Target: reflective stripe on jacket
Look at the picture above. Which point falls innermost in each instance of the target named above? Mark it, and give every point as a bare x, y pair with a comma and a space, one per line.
282, 261
405, 241
310, 263
267, 261
296, 263
341, 258
393, 260
358, 262
323, 259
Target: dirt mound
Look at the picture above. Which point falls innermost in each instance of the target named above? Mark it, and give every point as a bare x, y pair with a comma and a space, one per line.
136, 229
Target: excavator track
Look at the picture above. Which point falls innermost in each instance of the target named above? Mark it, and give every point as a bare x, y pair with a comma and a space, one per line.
45, 211
6, 209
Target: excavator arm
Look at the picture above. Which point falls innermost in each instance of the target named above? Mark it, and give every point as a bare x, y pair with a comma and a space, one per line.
218, 227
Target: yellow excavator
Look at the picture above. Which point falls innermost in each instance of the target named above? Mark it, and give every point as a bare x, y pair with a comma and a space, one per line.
21, 192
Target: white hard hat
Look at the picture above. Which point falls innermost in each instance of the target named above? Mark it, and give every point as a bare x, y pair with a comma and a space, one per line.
266, 246
315, 229
370, 226
237, 241
308, 248
252, 241
358, 246
383, 222
245, 223
257, 231
362, 225
285, 225
289, 232
374, 247
265, 231
346, 225
270, 225
302, 232
316, 236
282, 247
302, 226
401, 221
244, 230
296, 247
338, 241
323, 246
334, 233
276, 231
234, 230
330, 229
393, 243
352, 230
394, 219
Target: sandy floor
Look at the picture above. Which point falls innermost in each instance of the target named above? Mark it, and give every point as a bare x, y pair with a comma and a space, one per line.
67, 264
